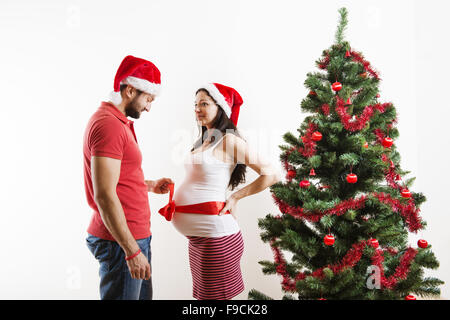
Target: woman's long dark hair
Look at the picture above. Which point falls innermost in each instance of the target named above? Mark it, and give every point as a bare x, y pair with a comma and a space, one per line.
224, 125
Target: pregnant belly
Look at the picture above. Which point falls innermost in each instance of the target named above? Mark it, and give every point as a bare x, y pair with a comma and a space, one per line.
201, 225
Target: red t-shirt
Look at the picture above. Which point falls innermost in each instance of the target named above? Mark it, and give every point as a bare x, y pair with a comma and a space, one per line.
110, 134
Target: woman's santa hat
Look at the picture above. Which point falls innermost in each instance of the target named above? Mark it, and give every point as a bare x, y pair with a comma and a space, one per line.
227, 98
138, 73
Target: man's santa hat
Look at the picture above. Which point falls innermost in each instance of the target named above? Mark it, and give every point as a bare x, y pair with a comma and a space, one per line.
227, 98
138, 73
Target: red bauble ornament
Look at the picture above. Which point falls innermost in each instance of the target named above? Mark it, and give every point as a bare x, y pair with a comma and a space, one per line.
312, 93
422, 243
317, 136
291, 174
352, 178
388, 142
406, 193
374, 243
336, 86
347, 54
378, 95
366, 145
304, 184
410, 297
328, 240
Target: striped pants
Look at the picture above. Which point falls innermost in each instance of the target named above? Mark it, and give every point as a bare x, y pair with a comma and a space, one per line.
215, 266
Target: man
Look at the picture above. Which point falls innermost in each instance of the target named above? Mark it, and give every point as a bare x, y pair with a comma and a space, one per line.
119, 232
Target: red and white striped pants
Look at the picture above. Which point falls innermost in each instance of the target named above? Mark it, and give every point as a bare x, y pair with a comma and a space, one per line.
215, 266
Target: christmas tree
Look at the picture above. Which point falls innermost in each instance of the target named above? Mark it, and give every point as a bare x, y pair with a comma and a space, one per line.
346, 209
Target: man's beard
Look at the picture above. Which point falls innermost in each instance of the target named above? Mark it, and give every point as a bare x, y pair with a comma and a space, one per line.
131, 110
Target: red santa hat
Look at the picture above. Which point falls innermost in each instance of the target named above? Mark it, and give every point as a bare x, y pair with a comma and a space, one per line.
227, 98
140, 74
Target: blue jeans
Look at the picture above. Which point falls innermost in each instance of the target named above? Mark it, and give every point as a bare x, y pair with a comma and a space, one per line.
116, 282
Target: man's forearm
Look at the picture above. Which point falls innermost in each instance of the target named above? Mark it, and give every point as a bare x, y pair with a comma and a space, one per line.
113, 217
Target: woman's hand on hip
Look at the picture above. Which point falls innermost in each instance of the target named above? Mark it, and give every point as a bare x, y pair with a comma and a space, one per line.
230, 205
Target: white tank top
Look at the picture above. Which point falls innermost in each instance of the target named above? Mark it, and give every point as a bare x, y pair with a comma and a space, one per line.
206, 179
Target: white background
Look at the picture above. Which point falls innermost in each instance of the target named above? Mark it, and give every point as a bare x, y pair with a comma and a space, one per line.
58, 60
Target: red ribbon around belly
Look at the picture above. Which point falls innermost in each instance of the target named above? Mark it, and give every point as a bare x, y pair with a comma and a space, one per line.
211, 207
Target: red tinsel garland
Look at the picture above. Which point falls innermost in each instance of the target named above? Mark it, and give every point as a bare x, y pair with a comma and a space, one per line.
408, 212
307, 151
326, 109
287, 166
351, 258
400, 272
323, 63
349, 261
338, 210
391, 251
359, 58
380, 135
359, 122
390, 174
309, 148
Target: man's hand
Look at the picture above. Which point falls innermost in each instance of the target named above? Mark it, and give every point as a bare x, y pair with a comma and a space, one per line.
139, 267
159, 186
150, 185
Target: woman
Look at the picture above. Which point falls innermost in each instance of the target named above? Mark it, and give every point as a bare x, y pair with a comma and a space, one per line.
200, 209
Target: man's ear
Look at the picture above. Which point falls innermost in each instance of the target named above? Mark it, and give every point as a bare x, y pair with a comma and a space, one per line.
130, 92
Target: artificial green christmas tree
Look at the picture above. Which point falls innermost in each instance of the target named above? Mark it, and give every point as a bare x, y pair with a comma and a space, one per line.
345, 209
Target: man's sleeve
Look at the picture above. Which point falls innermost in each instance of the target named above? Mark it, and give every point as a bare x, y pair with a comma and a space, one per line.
107, 139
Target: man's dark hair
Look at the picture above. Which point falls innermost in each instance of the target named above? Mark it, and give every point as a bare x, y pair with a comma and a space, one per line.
124, 85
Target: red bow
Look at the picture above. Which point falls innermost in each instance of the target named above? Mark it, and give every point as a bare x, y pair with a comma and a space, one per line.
168, 211
210, 208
